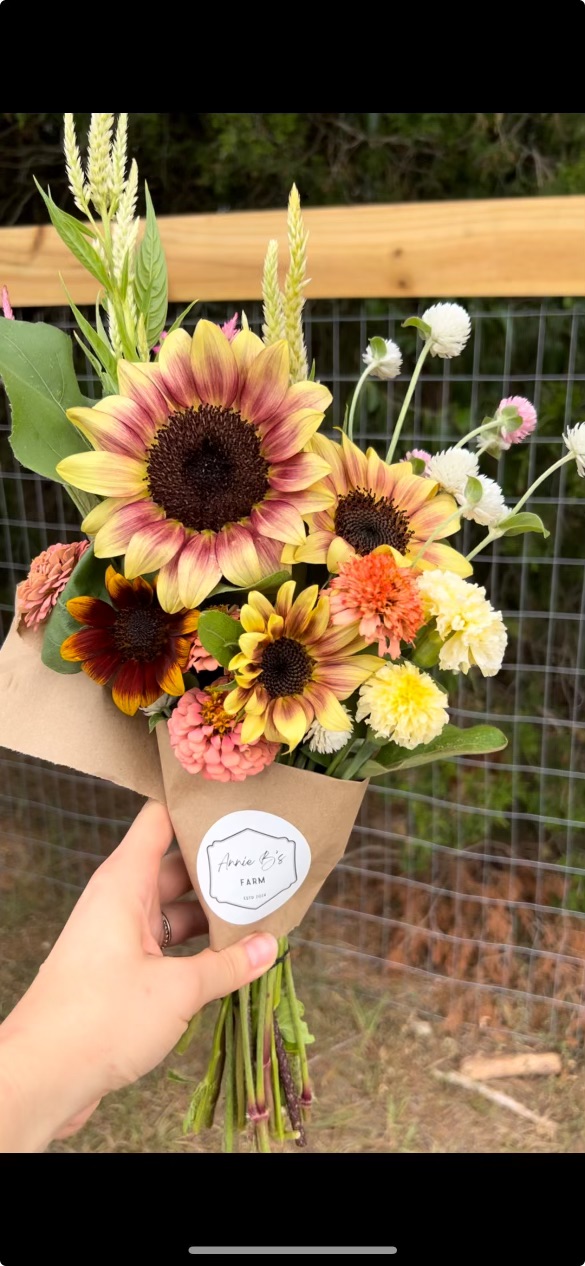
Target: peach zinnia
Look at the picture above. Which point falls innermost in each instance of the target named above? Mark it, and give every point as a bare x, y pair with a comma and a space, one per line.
49, 574
200, 459
382, 598
207, 741
374, 504
294, 667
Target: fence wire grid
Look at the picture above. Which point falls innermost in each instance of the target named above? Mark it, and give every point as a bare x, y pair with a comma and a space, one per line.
468, 877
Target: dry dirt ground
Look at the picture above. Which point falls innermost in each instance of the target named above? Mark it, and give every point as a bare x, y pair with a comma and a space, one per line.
372, 1064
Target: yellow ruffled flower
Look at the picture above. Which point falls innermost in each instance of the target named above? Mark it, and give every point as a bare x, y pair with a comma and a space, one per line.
403, 704
473, 632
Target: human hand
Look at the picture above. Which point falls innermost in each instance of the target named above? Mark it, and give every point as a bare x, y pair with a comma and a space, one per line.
107, 1006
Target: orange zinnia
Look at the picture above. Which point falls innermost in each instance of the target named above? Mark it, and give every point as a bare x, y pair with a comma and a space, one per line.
380, 597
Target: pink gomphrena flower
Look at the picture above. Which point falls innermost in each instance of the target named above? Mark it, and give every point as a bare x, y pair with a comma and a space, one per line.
528, 419
47, 578
200, 659
421, 455
6, 308
164, 335
382, 598
230, 328
207, 741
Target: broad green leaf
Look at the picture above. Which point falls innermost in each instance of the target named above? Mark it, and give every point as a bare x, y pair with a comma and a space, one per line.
86, 580
151, 281
516, 524
478, 740
286, 1025
36, 364
268, 585
419, 325
219, 634
77, 237
182, 316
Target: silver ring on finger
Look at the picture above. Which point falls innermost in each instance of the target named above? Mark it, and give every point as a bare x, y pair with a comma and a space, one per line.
167, 937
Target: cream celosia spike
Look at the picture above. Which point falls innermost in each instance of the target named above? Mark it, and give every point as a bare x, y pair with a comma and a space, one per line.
125, 229
295, 282
119, 159
73, 165
98, 159
273, 327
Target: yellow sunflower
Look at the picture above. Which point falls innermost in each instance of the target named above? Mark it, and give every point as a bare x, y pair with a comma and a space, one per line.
372, 505
294, 666
201, 461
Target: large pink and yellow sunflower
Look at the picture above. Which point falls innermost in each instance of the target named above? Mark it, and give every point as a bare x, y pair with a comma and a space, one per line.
293, 666
372, 505
201, 463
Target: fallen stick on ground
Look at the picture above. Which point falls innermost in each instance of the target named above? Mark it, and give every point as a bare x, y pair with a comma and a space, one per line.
496, 1096
487, 1068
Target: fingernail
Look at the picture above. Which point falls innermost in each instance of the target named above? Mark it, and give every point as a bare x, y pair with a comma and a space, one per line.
261, 949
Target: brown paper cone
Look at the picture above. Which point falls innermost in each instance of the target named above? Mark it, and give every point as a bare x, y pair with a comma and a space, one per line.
322, 809
70, 720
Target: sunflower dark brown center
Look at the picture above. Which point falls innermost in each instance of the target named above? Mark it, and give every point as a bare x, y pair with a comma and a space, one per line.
365, 522
141, 634
205, 468
286, 667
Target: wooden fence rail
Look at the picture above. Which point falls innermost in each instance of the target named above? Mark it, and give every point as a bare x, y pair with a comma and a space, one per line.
501, 247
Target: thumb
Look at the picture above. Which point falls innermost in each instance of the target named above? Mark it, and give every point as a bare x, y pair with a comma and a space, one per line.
216, 973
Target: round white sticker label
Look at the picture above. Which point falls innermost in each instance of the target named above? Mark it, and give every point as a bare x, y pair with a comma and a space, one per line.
250, 863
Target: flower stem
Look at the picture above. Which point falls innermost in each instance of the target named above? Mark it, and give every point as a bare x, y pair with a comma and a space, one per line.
286, 1080
479, 430
407, 399
366, 750
298, 1029
338, 760
260, 1022
240, 1076
437, 532
229, 1074
493, 535
356, 394
244, 998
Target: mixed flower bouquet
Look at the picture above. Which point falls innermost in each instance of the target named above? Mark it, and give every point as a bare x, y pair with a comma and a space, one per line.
254, 604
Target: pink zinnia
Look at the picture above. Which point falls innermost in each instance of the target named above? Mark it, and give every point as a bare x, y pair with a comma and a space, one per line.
47, 578
207, 741
528, 415
421, 454
382, 597
199, 658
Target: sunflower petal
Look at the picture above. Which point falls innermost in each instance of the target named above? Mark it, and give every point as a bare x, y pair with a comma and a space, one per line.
144, 384
433, 516
304, 395
446, 558
129, 687
270, 555
328, 709
101, 668
199, 569
355, 463
167, 586
237, 556
235, 700
174, 360
117, 532
300, 612
214, 365
169, 678
106, 508
331, 453
318, 622
125, 594
152, 547
260, 603
285, 598
249, 643
266, 384
298, 472
314, 549
253, 727
339, 551
246, 347
288, 716
278, 520
288, 437
344, 676
108, 474
251, 620
109, 432
92, 611
84, 644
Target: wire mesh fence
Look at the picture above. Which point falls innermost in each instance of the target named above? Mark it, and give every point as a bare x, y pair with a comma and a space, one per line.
467, 877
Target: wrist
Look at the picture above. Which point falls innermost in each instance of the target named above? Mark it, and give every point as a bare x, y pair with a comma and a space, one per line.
39, 1092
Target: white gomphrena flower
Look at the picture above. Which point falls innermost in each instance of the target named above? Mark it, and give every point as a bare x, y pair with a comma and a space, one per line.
490, 509
452, 468
450, 328
574, 438
387, 363
328, 741
162, 704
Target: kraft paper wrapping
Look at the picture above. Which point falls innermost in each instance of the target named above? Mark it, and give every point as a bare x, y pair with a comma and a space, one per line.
323, 809
70, 721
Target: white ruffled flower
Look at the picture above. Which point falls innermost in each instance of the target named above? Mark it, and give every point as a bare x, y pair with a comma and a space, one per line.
387, 365
490, 509
328, 741
162, 704
452, 468
574, 438
450, 328
472, 631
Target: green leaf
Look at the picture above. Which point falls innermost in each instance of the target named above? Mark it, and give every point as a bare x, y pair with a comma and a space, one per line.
36, 364
473, 491
151, 280
427, 647
182, 316
77, 237
154, 720
378, 347
516, 524
98, 345
286, 1025
267, 585
418, 466
419, 325
219, 634
478, 740
86, 580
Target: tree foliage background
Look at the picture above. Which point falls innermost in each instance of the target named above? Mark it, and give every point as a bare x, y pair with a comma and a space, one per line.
207, 162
